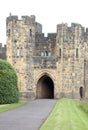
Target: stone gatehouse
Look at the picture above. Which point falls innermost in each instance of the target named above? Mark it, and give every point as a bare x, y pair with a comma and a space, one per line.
55, 66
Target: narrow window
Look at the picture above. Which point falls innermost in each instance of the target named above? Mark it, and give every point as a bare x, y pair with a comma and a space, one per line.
42, 53
60, 52
49, 53
21, 52
18, 52
15, 41
8, 31
76, 52
30, 32
46, 53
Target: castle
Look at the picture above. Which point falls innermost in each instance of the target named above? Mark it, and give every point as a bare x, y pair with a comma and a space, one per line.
55, 66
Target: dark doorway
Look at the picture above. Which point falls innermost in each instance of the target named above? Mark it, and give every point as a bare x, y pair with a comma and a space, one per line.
45, 87
81, 92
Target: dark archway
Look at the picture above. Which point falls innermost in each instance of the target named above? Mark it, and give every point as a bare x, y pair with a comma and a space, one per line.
45, 87
81, 92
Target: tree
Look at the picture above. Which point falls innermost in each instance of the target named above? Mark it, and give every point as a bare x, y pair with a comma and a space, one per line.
9, 92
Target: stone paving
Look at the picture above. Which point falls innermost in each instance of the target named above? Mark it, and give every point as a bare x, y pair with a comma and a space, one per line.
27, 117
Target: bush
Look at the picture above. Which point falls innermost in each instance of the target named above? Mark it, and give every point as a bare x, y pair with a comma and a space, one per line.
9, 92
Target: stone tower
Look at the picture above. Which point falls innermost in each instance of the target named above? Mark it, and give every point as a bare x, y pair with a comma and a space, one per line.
20, 48
55, 66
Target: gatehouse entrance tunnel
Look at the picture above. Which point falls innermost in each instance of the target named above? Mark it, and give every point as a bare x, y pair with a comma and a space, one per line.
45, 87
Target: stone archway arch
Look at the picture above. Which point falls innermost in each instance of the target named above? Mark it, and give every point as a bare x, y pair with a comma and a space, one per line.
45, 72
45, 85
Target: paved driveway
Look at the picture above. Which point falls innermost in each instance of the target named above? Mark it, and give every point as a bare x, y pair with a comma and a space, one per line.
27, 117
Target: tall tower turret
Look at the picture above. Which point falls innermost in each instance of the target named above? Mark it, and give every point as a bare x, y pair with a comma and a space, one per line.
20, 48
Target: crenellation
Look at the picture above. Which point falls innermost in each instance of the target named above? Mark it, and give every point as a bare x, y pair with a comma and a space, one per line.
29, 19
11, 18
59, 58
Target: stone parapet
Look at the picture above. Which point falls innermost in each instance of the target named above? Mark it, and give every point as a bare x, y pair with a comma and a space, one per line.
45, 62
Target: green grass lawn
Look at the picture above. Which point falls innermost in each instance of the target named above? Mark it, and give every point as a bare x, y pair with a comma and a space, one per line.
67, 115
11, 106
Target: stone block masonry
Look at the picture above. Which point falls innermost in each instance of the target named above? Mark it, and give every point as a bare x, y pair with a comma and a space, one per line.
48, 67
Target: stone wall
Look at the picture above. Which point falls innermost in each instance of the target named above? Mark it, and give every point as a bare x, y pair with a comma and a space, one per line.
62, 56
44, 44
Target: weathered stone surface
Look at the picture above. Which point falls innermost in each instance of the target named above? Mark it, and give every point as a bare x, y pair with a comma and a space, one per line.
62, 56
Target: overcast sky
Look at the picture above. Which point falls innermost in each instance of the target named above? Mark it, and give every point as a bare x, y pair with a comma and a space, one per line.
48, 12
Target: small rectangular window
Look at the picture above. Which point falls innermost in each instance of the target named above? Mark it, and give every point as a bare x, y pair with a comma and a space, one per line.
21, 52
49, 53
46, 53
8, 32
60, 52
42, 53
30, 32
76, 52
18, 52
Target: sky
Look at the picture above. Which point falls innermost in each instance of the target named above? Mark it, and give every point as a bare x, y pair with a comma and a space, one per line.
48, 12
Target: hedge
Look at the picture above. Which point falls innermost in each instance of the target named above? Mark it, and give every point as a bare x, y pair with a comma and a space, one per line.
9, 92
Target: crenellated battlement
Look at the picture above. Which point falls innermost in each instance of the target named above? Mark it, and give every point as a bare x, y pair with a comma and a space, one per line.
25, 18
75, 33
61, 56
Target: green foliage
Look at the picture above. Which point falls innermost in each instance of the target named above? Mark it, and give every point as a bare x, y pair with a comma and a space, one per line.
9, 92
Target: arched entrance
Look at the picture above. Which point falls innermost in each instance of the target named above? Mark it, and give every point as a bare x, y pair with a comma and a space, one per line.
45, 87
81, 92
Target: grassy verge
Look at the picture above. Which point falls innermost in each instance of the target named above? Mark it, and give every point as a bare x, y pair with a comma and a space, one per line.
67, 115
84, 107
11, 106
